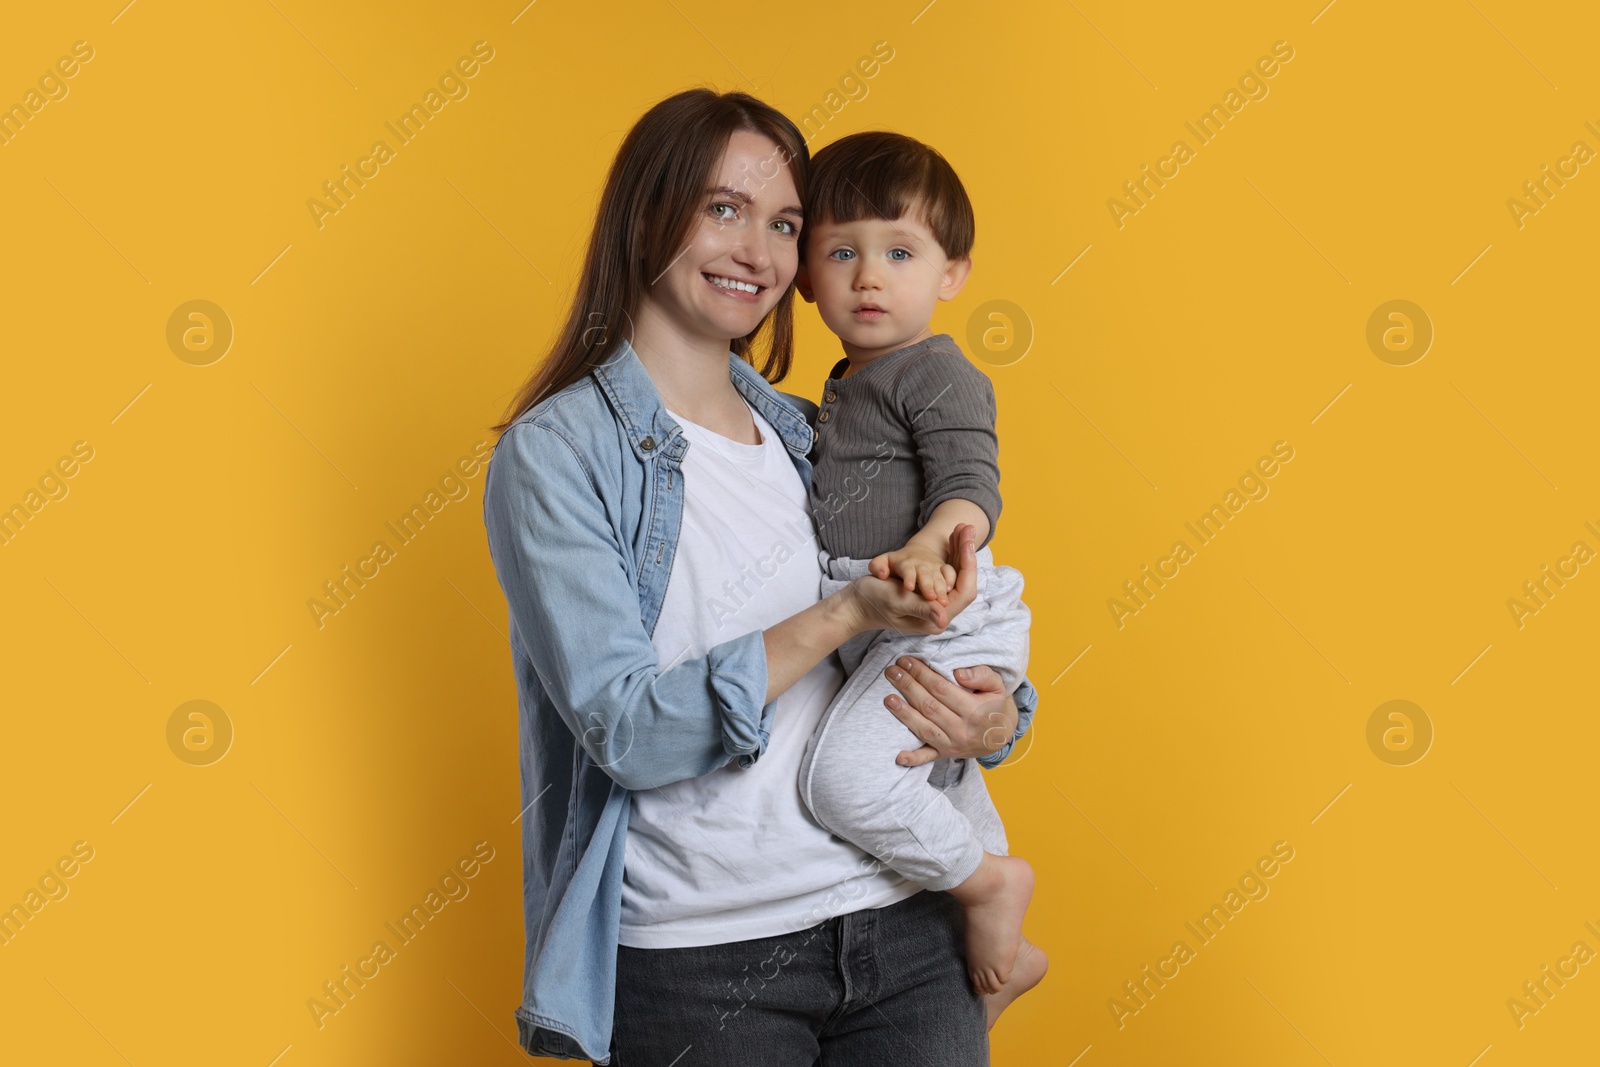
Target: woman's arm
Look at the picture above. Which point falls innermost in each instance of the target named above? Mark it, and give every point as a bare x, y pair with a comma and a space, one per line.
1026, 700
799, 643
575, 611
575, 614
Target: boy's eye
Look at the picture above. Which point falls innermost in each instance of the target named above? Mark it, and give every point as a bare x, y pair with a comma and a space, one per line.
899, 255
841, 254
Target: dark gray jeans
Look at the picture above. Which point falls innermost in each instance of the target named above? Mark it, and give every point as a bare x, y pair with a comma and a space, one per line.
882, 986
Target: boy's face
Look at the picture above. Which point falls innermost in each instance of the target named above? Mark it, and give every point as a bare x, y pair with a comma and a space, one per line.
877, 282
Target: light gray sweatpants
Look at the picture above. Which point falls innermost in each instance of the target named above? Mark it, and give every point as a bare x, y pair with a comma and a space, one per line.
932, 823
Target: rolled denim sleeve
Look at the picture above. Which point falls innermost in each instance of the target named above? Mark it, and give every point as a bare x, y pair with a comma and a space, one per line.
1027, 698
575, 612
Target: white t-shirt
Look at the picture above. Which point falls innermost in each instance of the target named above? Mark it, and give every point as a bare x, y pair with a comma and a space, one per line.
734, 854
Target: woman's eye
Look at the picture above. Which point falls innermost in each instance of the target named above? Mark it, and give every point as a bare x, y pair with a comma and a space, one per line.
899, 255
789, 226
723, 218
841, 254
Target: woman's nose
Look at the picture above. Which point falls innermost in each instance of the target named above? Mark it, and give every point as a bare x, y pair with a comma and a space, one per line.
752, 252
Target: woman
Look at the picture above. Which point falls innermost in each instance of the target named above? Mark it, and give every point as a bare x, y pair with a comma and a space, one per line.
646, 514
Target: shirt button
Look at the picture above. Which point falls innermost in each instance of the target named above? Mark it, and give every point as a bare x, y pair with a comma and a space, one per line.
822, 417
830, 396
648, 443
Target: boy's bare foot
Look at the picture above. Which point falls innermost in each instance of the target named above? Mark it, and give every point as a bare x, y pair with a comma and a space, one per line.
1029, 970
995, 898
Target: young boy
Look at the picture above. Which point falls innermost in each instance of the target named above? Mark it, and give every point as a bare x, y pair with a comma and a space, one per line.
906, 451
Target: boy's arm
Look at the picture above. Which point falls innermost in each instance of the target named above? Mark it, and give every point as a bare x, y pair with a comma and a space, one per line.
950, 407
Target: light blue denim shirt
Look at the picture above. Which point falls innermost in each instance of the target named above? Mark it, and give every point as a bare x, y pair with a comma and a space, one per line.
582, 503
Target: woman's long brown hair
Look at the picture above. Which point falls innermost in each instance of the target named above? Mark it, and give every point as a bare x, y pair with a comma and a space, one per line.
657, 186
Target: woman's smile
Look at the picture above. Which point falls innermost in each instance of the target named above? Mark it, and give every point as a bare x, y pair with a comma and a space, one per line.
747, 292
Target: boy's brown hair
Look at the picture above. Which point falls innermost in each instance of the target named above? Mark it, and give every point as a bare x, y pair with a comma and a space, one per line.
881, 175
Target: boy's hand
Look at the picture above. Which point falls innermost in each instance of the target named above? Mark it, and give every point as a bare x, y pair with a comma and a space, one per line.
919, 570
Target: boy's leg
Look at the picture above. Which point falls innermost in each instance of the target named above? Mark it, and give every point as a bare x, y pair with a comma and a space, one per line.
849, 778
961, 781
1001, 641
852, 785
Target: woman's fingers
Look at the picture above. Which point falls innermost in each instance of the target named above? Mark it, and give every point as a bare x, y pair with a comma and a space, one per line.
933, 695
917, 756
963, 549
919, 726
951, 716
918, 706
983, 678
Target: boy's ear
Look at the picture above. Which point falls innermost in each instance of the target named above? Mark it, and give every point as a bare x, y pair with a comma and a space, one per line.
955, 276
802, 282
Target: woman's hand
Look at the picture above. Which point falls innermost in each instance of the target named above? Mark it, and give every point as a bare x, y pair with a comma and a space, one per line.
973, 718
887, 605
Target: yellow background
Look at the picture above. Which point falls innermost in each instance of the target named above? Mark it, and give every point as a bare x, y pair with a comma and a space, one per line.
1230, 713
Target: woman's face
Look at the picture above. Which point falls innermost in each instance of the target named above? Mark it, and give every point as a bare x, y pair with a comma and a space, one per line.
741, 254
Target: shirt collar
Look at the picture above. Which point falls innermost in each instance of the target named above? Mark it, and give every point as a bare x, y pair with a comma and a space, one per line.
651, 428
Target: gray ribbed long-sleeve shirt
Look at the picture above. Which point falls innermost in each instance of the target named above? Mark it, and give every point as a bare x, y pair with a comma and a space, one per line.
895, 440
